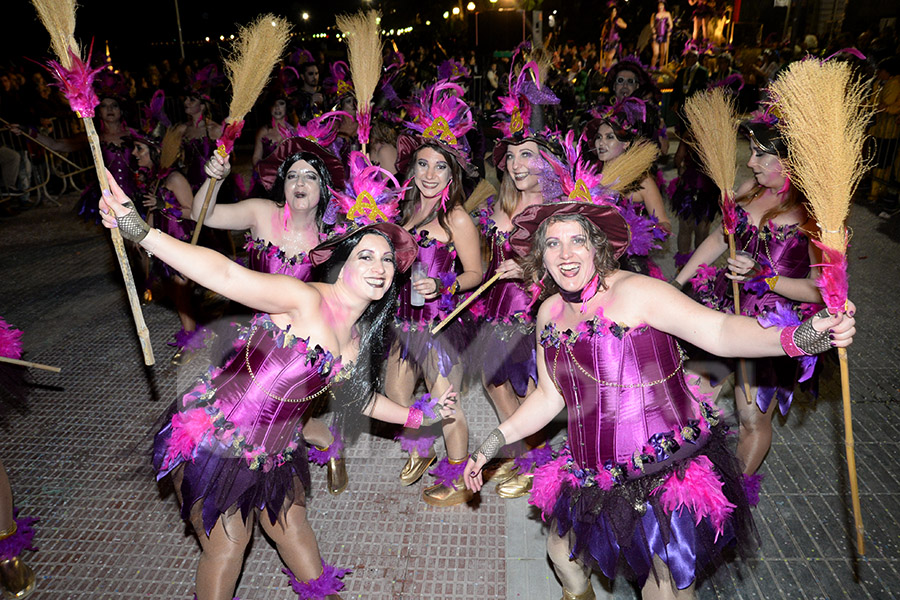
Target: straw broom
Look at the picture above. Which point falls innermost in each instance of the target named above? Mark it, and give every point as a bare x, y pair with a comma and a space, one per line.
823, 118
630, 167
362, 33
713, 125
258, 49
75, 78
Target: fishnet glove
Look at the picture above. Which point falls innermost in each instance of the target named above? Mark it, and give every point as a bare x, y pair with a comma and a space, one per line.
131, 225
490, 446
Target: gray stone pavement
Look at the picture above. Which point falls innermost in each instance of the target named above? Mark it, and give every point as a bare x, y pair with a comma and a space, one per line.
77, 458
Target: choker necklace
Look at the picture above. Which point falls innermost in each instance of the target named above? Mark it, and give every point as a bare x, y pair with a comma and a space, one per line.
584, 294
571, 297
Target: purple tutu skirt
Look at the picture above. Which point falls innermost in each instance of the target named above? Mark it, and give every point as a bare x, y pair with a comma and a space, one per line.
506, 353
433, 354
618, 528
217, 483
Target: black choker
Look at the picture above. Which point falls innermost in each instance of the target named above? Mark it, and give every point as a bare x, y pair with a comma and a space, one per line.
571, 297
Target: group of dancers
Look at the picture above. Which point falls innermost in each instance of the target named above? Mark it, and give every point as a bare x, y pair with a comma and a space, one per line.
353, 263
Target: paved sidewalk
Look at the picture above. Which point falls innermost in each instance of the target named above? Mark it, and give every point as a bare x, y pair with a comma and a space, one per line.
77, 458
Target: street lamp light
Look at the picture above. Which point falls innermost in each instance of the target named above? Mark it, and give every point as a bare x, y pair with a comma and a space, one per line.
446, 15
455, 10
305, 16
470, 6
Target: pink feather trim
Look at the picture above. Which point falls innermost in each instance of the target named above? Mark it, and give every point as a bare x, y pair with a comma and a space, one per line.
10, 340
230, 133
729, 214
548, 481
188, 429
326, 584
699, 491
833, 277
77, 83
364, 120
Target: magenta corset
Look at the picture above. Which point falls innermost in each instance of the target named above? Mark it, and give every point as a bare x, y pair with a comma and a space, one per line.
266, 257
622, 387
506, 298
268, 146
196, 152
441, 260
119, 160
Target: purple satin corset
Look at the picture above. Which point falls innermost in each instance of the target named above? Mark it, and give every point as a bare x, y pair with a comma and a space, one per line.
266, 407
268, 146
786, 247
266, 257
441, 260
120, 162
621, 387
506, 298
661, 26
196, 152
170, 220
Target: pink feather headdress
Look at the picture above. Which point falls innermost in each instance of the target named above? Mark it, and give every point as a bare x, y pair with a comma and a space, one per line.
203, 82
440, 113
371, 194
339, 82
525, 92
323, 129
452, 70
629, 114
580, 180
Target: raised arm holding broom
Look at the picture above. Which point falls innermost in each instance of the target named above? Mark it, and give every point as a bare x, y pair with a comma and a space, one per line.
75, 77
258, 48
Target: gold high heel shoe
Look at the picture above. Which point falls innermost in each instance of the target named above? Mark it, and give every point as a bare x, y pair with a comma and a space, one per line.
516, 486
415, 467
448, 495
337, 475
588, 594
505, 471
16, 578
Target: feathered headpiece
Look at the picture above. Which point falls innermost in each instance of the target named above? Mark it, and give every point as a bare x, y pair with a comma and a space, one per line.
628, 114
452, 70
514, 118
339, 83
203, 82
371, 195
284, 84
323, 129
109, 84
301, 56
154, 121
437, 114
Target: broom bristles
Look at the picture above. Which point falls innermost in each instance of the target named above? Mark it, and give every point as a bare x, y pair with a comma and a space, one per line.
257, 50
170, 148
632, 165
713, 125
824, 116
58, 17
363, 36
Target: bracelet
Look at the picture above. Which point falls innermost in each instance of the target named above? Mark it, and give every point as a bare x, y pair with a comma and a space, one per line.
771, 281
414, 419
490, 446
787, 342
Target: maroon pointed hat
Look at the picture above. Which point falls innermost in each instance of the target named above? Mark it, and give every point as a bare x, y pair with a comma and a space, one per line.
605, 216
405, 247
268, 167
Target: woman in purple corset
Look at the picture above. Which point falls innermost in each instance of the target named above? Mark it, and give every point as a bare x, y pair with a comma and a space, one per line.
300, 175
778, 282
645, 484
200, 132
433, 156
233, 444
661, 26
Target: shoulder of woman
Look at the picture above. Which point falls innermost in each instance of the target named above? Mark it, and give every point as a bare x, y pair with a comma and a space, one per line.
459, 218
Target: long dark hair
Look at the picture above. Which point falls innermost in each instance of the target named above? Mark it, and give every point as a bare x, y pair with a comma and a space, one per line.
325, 184
355, 393
533, 263
412, 197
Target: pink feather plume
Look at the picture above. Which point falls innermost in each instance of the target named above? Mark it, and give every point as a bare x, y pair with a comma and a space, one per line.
188, 429
699, 491
77, 83
10, 340
833, 277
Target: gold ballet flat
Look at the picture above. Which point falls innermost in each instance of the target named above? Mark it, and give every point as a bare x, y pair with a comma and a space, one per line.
337, 476
588, 594
505, 471
415, 467
444, 495
16, 578
516, 486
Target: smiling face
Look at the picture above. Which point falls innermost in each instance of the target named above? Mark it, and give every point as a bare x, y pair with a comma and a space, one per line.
625, 84
109, 111
569, 255
369, 269
431, 172
142, 153
522, 163
766, 168
302, 186
606, 143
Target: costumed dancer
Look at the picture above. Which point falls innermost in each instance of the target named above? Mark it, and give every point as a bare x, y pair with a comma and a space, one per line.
629, 78
233, 444
773, 265
283, 118
700, 16
16, 534
645, 484
610, 40
434, 155
505, 345
611, 133
281, 230
200, 132
661, 25
167, 198
693, 198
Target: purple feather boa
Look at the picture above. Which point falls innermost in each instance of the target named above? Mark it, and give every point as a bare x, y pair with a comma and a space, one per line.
322, 456
326, 584
529, 460
752, 485
13, 546
784, 316
413, 442
191, 340
427, 404
446, 473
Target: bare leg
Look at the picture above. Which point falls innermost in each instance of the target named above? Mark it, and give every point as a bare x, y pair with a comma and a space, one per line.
755, 434
573, 575
686, 230
664, 588
655, 59
6, 501
296, 543
223, 556
316, 432
400, 379
181, 291
456, 429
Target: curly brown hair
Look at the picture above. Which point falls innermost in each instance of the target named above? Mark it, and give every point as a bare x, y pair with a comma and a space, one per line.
533, 263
